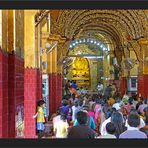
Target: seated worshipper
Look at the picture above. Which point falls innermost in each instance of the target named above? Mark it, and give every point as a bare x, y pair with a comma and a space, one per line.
91, 123
82, 130
61, 127
133, 131
110, 128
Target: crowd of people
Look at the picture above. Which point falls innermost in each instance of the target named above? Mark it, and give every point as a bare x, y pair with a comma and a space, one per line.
83, 115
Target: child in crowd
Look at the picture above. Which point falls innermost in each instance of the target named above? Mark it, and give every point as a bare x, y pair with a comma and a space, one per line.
61, 127
40, 118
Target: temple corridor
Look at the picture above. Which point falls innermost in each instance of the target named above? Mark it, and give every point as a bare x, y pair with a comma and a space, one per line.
40, 50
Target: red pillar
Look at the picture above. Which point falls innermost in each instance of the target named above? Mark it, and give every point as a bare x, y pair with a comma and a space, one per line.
123, 85
143, 86
52, 93
59, 89
39, 84
15, 91
18, 93
55, 92
30, 99
3, 94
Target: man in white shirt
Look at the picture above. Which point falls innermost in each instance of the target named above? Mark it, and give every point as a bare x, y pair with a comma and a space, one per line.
110, 129
142, 123
132, 131
100, 88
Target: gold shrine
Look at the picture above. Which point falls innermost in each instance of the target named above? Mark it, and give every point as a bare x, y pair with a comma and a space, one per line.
81, 72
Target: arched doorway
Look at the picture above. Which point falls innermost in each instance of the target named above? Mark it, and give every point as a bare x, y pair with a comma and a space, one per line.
87, 62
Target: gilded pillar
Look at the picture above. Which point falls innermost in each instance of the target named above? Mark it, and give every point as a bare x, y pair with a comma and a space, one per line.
29, 41
124, 72
4, 30
134, 70
143, 68
55, 72
11, 30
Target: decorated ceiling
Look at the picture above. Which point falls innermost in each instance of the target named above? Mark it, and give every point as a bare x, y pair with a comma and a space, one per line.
114, 27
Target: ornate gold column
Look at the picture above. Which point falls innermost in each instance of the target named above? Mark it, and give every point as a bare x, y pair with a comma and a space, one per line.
124, 72
4, 29
11, 31
134, 70
143, 68
55, 71
29, 41
144, 51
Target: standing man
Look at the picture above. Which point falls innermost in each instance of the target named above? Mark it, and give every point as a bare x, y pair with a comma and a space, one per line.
100, 88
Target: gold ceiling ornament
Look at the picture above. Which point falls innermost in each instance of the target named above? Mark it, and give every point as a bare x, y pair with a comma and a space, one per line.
56, 37
125, 16
143, 40
126, 52
143, 19
104, 27
40, 16
137, 49
66, 48
122, 26
101, 20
